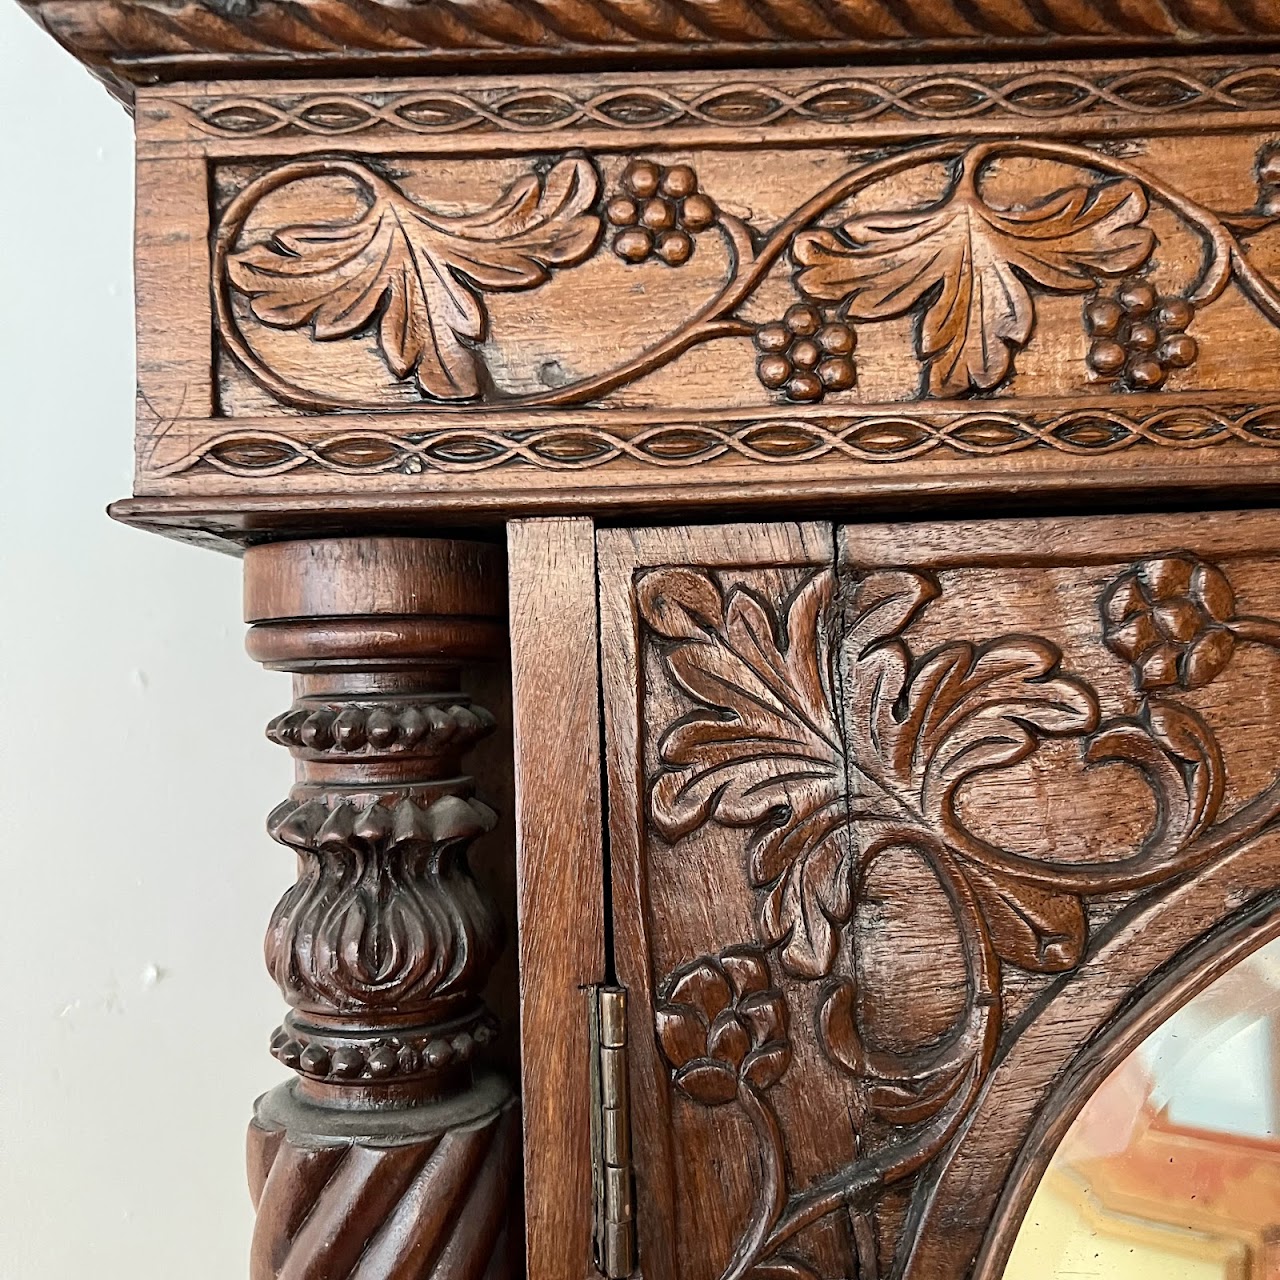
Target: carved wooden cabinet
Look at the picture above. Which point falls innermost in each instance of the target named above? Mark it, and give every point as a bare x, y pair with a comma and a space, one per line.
828, 446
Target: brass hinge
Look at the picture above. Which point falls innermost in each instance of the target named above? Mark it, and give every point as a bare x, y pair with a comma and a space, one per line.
611, 1134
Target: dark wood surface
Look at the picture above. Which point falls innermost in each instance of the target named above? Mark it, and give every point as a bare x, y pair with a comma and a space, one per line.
911, 827
899, 834
560, 861
395, 1151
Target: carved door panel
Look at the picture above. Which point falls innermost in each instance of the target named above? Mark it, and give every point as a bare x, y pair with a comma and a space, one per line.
908, 825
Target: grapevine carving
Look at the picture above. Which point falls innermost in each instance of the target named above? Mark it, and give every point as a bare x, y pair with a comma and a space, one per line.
416, 275
822, 732
967, 267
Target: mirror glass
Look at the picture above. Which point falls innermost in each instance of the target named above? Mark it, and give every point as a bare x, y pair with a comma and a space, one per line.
1172, 1170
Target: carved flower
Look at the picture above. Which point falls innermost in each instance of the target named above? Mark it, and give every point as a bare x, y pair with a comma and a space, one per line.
722, 1024
1170, 618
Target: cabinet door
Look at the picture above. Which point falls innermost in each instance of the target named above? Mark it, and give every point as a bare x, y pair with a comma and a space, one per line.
910, 825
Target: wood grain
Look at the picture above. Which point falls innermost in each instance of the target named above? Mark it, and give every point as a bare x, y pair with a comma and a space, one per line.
1011, 278
898, 834
667, 1204
560, 866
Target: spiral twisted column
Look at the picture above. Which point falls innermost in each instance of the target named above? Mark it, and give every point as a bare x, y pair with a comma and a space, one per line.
394, 1154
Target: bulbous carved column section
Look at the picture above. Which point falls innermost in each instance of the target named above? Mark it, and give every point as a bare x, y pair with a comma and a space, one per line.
394, 1155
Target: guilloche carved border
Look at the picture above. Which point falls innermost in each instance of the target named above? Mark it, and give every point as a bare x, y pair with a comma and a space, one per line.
885, 434
1155, 92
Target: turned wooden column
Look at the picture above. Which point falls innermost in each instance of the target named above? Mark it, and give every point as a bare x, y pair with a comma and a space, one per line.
395, 1153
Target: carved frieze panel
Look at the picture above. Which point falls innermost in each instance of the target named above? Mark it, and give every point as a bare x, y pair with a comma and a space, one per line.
905, 821
578, 287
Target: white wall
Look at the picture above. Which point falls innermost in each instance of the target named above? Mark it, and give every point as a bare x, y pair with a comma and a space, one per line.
134, 776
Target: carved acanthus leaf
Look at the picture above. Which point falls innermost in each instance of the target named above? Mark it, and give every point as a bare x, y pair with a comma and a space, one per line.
918, 728
969, 264
963, 709
385, 913
763, 750
420, 275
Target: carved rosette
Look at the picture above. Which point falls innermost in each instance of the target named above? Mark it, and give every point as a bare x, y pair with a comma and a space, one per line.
392, 1149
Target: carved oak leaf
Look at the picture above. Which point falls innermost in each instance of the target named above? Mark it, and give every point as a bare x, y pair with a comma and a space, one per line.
418, 274
761, 750
970, 265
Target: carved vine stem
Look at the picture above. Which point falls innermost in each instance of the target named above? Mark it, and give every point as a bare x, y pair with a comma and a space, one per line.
747, 271
771, 1193
819, 702
751, 258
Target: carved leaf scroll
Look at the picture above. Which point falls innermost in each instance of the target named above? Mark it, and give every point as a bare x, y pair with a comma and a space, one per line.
919, 728
765, 754
419, 276
964, 269
971, 264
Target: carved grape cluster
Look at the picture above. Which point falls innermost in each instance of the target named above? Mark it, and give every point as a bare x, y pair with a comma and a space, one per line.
721, 1024
1139, 335
1170, 618
658, 213
805, 356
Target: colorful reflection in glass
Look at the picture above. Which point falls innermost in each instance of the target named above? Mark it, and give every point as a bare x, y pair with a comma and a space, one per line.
1172, 1170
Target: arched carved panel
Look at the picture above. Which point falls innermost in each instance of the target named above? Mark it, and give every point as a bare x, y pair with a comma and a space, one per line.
907, 820
1104, 1083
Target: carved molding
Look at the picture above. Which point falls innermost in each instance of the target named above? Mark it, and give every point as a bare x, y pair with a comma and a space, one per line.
1157, 91
374, 727
881, 434
142, 40
502, 285
831, 740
